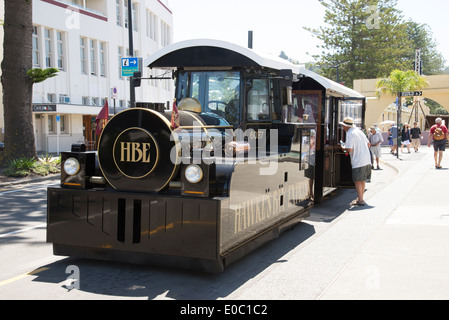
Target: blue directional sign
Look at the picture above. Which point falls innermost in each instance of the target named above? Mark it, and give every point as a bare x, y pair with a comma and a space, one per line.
129, 66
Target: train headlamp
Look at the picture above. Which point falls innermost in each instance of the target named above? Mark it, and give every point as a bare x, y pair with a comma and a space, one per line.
71, 166
194, 173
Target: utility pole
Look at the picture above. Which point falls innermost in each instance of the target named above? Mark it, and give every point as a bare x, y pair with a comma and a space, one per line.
250, 39
418, 62
131, 53
398, 123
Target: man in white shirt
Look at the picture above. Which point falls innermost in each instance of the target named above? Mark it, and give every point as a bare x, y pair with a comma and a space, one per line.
357, 145
375, 139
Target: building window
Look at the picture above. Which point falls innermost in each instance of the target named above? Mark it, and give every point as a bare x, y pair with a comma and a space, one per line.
93, 58
64, 124
135, 17
36, 57
83, 55
60, 46
120, 56
94, 102
165, 34
125, 14
86, 101
48, 51
153, 26
102, 59
51, 97
118, 9
51, 123
63, 98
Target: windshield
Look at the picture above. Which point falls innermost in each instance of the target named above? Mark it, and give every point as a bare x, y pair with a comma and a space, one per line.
217, 91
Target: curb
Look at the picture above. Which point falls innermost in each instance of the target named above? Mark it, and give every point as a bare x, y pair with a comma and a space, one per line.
28, 180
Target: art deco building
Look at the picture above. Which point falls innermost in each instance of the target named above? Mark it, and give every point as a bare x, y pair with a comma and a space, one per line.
86, 40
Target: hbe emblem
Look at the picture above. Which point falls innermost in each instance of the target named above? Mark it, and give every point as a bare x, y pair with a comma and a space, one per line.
136, 153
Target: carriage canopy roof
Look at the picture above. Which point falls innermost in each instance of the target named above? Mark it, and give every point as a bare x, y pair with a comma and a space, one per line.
203, 53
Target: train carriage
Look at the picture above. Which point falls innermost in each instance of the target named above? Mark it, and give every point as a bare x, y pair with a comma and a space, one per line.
254, 143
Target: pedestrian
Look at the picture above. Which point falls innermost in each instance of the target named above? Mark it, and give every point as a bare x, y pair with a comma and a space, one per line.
416, 136
405, 135
357, 145
377, 128
375, 139
390, 142
439, 134
394, 136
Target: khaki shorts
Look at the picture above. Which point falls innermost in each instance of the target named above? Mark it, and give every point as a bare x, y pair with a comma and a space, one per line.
377, 151
361, 174
416, 143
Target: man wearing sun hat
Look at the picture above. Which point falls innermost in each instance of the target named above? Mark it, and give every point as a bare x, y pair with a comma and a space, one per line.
357, 145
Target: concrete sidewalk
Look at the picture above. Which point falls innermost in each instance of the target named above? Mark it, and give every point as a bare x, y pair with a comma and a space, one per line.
407, 255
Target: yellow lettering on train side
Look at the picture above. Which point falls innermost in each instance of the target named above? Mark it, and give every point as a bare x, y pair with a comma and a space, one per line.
256, 210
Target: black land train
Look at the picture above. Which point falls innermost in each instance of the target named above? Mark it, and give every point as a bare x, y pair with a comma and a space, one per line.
253, 146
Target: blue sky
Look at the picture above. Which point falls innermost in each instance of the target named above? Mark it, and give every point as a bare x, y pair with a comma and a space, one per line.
278, 25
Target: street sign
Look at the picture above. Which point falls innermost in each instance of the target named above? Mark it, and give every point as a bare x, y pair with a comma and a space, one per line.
114, 93
129, 66
411, 94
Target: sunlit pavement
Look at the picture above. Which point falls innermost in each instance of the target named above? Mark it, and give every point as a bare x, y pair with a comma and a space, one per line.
406, 255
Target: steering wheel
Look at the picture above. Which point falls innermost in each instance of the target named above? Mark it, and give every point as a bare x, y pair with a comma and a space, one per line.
217, 111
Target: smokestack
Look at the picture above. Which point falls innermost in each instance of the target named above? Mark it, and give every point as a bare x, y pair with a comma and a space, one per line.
250, 39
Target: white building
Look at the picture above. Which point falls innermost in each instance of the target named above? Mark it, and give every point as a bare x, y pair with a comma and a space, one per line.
86, 40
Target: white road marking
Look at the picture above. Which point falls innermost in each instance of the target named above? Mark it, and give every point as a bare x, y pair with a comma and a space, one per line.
22, 230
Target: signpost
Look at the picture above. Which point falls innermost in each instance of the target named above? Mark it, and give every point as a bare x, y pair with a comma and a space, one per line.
411, 94
114, 95
129, 66
400, 95
58, 123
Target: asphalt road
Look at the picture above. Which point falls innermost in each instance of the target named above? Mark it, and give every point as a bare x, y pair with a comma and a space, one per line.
298, 265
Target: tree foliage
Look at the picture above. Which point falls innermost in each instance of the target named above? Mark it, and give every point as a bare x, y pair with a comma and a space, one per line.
39, 75
369, 39
421, 37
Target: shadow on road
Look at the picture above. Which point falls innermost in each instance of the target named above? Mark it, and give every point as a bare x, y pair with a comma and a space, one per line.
125, 280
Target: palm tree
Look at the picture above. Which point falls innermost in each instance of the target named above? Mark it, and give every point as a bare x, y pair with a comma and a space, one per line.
401, 81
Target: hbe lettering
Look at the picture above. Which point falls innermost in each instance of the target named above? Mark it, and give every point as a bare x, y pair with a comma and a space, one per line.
135, 152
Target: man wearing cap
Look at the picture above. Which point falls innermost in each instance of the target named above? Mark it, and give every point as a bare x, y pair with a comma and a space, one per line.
357, 145
439, 134
375, 139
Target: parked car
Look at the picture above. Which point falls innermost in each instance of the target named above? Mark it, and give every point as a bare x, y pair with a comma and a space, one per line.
2, 146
